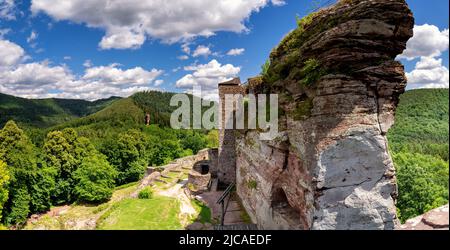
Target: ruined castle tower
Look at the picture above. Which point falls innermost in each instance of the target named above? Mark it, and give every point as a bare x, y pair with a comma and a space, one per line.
227, 140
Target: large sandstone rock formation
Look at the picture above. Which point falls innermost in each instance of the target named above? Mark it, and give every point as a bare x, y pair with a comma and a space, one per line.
338, 84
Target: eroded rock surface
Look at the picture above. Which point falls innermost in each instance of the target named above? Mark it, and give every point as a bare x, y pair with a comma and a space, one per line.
436, 219
329, 167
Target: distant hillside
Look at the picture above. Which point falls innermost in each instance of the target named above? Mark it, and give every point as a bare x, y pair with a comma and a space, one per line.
419, 143
421, 123
131, 111
117, 117
44, 113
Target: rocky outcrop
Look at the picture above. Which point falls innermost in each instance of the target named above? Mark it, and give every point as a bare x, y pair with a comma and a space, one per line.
338, 85
436, 219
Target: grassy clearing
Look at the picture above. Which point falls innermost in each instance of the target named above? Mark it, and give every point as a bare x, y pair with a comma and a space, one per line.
80, 216
125, 213
159, 184
204, 212
158, 213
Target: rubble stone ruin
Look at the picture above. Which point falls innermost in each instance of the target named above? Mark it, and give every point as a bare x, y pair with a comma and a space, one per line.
338, 85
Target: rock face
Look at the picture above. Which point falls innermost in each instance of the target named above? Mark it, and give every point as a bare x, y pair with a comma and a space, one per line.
338, 86
436, 219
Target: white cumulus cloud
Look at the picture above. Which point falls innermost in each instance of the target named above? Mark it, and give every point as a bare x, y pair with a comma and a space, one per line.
278, 2
208, 76
10, 53
427, 45
114, 76
128, 23
202, 50
428, 73
235, 52
428, 41
183, 57
42, 79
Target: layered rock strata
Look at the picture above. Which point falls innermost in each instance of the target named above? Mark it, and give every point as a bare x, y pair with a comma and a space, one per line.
338, 85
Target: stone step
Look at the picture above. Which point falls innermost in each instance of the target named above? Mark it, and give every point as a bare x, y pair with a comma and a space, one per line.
236, 227
233, 217
215, 183
233, 206
159, 180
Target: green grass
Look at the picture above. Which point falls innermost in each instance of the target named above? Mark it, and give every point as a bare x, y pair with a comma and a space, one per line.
174, 175
159, 184
158, 213
204, 212
126, 185
245, 217
79, 212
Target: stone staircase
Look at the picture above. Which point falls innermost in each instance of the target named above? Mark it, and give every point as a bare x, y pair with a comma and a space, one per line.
236, 227
235, 213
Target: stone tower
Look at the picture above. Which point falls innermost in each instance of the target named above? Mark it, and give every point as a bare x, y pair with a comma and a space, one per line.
227, 140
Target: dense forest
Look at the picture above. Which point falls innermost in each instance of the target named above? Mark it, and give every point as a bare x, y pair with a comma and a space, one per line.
83, 159
44, 113
418, 143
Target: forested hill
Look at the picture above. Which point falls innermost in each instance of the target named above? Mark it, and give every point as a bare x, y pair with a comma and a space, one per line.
117, 117
131, 111
419, 143
421, 123
44, 113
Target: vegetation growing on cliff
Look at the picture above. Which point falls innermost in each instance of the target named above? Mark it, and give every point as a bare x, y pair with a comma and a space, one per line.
303, 109
286, 60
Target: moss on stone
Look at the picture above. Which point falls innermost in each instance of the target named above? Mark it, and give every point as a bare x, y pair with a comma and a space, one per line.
287, 59
249, 141
252, 184
303, 109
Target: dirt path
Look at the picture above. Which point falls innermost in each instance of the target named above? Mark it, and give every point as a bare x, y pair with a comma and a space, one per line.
187, 211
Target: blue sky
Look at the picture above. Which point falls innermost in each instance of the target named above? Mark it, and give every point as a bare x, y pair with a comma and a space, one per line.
86, 50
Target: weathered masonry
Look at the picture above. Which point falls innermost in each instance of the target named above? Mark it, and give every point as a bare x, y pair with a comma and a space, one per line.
227, 139
338, 87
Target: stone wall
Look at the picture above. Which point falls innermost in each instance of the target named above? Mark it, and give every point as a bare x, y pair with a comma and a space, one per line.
198, 177
152, 174
338, 86
213, 154
227, 152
